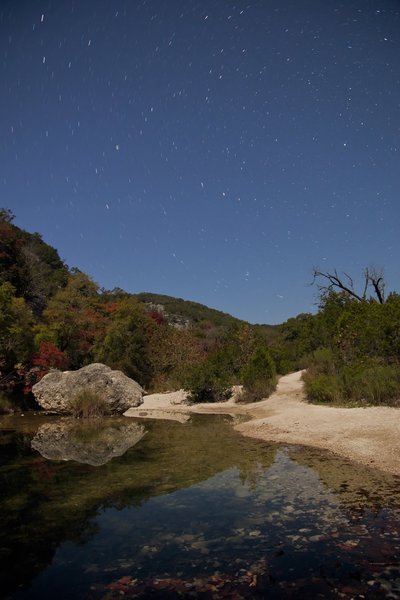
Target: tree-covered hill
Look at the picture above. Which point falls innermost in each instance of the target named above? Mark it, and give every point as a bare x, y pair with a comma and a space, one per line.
205, 322
186, 312
55, 317
33, 267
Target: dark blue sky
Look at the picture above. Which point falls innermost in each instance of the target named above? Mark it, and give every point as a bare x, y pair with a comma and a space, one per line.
213, 150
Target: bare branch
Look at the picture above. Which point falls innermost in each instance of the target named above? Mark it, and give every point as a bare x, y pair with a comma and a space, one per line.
366, 282
373, 278
378, 283
336, 282
350, 280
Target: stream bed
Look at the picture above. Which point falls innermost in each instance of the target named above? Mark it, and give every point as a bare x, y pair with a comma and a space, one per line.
161, 509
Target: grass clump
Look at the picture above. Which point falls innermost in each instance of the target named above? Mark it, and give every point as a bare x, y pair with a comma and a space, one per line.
323, 388
372, 383
368, 381
88, 404
322, 360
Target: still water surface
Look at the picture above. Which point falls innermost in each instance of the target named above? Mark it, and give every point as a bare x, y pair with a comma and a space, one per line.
158, 509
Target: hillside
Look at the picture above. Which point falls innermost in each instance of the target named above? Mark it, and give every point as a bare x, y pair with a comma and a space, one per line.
33, 267
205, 322
55, 317
37, 272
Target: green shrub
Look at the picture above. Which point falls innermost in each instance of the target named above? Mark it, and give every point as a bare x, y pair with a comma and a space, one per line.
212, 380
257, 391
207, 385
258, 376
88, 404
361, 382
211, 393
323, 388
371, 382
283, 362
321, 361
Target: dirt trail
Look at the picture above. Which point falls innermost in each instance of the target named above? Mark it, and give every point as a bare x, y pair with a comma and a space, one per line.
368, 435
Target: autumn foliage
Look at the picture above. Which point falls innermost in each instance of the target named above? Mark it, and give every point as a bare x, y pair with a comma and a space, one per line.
52, 317
50, 357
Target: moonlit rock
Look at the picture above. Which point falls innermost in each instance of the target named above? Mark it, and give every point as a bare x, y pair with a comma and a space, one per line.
57, 389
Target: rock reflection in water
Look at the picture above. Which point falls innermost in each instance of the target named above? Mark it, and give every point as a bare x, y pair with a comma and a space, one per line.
94, 443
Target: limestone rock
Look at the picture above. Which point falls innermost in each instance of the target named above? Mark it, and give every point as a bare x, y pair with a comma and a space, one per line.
93, 443
154, 413
56, 390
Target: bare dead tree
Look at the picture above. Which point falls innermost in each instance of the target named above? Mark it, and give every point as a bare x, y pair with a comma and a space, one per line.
377, 282
331, 281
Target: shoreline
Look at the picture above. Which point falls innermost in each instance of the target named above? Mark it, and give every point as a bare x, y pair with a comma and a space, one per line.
370, 435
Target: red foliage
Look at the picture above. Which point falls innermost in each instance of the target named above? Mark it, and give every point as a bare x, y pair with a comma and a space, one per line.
50, 357
157, 316
112, 307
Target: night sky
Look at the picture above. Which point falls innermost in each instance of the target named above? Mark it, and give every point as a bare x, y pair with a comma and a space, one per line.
213, 150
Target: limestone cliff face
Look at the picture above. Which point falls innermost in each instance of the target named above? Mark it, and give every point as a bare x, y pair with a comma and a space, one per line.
56, 390
177, 321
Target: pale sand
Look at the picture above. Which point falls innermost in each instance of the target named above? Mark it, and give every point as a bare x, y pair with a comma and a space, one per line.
367, 435
162, 406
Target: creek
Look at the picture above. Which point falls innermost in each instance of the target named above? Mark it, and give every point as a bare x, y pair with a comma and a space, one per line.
161, 509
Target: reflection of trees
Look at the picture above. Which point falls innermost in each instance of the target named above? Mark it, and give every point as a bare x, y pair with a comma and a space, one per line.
44, 502
357, 488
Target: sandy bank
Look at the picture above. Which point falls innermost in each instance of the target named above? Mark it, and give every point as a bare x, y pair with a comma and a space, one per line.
368, 435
